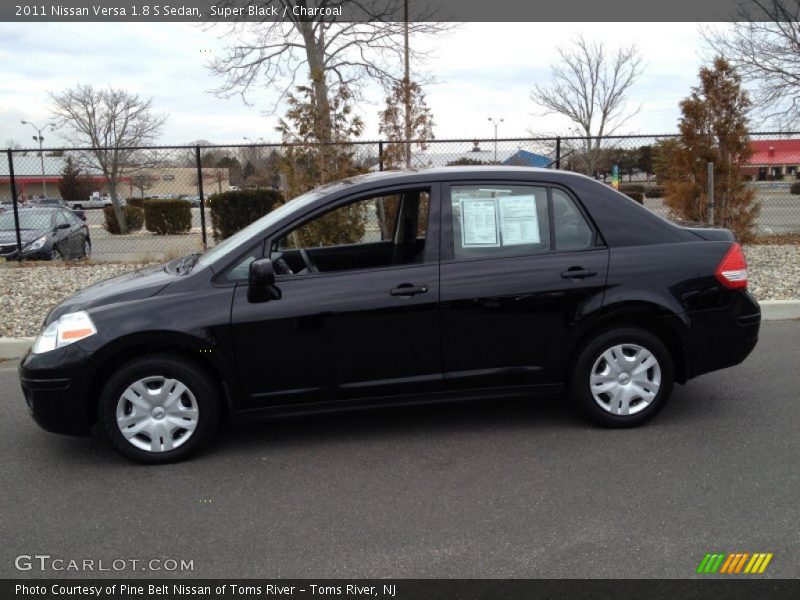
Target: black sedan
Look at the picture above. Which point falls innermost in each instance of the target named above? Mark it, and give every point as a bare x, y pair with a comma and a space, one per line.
400, 288
46, 234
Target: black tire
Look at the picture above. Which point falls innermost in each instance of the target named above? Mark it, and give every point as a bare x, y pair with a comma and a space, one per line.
55, 254
591, 352
77, 207
192, 376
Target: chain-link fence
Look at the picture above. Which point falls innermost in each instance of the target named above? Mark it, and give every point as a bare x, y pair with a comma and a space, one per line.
143, 204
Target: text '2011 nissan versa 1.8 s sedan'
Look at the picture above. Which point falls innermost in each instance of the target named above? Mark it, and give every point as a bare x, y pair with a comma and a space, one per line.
392, 288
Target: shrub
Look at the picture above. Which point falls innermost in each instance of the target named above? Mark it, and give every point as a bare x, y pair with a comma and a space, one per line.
134, 217
638, 196
655, 191
166, 217
236, 209
137, 202
795, 188
631, 187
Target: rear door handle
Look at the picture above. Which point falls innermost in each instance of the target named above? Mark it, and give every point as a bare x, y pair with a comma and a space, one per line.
577, 273
407, 290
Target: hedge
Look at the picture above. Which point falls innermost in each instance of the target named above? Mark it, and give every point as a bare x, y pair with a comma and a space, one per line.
795, 188
655, 191
137, 202
631, 187
236, 209
166, 217
638, 196
134, 217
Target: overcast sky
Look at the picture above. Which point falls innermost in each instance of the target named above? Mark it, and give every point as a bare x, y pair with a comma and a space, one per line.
482, 70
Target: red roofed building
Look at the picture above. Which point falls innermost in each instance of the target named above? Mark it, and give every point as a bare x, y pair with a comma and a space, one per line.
773, 159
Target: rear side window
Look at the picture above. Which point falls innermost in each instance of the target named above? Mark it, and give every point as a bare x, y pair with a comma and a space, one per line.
491, 221
572, 232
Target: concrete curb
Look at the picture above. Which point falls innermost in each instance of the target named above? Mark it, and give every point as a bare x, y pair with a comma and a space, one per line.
14, 347
771, 310
780, 310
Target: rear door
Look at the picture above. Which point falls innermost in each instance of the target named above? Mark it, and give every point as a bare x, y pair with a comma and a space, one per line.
521, 267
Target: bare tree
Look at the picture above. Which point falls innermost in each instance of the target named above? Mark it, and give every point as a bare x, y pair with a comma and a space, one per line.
332, 55
112, 122
590, 87
764, 47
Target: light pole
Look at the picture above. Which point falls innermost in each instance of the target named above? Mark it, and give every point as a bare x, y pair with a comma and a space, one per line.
496, 124
40, 138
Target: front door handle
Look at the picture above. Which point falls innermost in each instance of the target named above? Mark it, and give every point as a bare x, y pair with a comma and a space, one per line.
407, 290
577, 273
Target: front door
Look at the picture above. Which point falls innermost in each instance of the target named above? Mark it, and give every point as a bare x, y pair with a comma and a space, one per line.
520, 267
358, 313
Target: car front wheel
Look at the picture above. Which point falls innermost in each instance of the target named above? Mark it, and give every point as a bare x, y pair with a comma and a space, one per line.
623, 377
159, 409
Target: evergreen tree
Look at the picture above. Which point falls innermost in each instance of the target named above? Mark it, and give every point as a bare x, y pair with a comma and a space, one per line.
713, 128
73, 184
393, 124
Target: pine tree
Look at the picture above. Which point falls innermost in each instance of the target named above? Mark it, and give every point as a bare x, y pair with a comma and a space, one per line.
73, 184
393, 124
308, 162
713, 128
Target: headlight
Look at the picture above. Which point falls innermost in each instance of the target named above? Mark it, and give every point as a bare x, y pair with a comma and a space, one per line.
65, 330
36, 245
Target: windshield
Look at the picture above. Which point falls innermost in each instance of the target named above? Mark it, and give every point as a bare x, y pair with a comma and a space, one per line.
27, 220
256, 227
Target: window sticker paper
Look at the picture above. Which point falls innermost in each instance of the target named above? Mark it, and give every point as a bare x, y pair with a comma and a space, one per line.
479, 223
519, 222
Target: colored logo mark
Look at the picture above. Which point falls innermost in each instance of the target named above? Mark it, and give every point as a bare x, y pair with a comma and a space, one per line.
735, 563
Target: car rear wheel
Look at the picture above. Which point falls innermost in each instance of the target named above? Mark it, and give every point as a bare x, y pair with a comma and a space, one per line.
159, 409
622, 377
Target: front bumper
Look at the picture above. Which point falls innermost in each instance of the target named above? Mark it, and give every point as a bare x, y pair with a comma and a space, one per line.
40, 254
57, 389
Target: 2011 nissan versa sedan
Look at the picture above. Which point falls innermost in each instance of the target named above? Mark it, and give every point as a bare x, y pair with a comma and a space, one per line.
393, 288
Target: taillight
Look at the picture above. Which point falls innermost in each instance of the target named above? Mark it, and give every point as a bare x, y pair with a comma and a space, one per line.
732, 269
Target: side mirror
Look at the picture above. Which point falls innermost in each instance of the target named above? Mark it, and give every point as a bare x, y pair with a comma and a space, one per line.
80, 214
62, 226
261, 281
262, 272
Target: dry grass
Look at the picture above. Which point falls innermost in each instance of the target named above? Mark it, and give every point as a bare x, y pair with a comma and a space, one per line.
777, 239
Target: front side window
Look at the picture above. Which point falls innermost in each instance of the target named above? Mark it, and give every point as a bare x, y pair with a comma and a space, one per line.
492, 221
379, 231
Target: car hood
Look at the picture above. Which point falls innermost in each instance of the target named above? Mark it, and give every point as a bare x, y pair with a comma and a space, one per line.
134, 285
26, 235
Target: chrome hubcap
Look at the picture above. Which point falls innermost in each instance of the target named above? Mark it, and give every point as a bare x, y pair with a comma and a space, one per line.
625, 379
157, 414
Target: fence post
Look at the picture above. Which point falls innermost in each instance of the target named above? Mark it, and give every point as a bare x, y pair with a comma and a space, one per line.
380, 156
202, 198
13, 182
558, 152
710, 192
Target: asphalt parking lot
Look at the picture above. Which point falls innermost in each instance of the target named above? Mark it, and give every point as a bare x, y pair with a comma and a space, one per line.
503, 489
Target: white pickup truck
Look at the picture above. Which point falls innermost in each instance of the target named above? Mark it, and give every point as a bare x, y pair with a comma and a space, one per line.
93, 201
